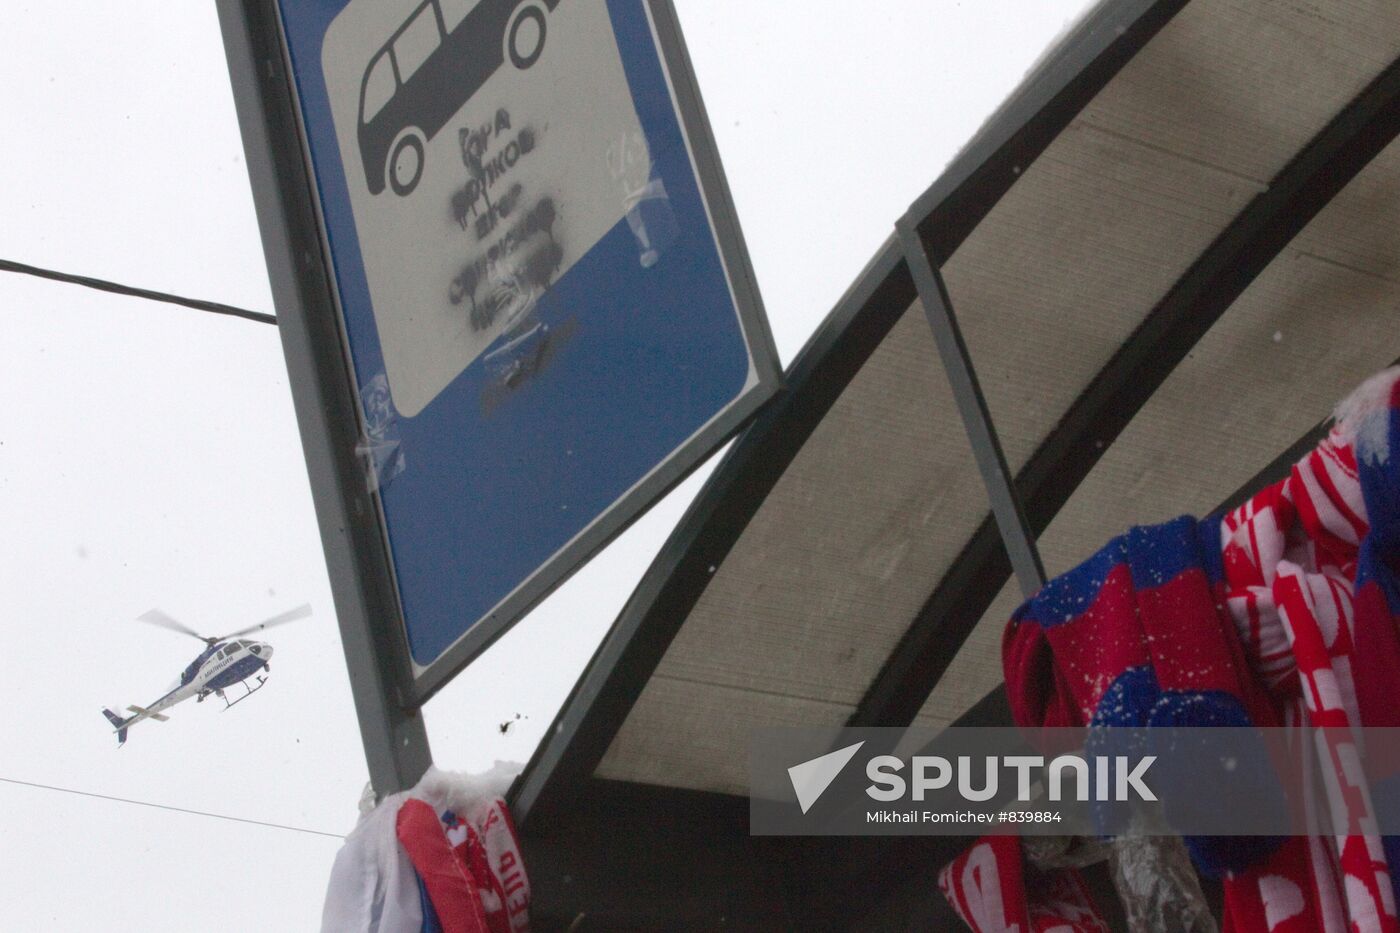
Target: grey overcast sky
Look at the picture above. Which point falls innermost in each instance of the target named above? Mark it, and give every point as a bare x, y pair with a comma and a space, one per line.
149, 456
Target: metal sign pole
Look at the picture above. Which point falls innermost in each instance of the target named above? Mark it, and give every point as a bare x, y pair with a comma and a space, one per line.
507, 267
395, 742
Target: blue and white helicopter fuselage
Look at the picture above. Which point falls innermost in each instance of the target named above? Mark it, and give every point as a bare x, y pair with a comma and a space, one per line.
225, 663
218, 668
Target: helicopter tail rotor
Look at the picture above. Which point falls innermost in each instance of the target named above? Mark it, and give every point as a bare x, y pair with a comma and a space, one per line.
120, 724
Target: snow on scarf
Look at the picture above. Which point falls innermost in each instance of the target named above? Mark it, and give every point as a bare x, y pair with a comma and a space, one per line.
1307, 574
440, 858
1133, 637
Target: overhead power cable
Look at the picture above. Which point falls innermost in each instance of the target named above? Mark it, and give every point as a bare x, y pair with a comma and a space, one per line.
161, 806
116, 288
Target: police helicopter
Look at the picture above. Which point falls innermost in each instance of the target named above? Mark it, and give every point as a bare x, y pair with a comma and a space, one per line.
226, 661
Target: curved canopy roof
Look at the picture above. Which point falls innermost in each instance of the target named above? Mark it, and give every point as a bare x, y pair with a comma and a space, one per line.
1169, 254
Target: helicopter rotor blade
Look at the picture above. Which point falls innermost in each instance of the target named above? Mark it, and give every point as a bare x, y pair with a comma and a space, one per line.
156, 617
291, 615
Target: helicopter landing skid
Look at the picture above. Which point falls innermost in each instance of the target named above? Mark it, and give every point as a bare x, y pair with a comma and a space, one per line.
249, 691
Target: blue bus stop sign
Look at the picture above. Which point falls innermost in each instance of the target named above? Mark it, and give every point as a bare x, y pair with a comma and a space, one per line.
543, 300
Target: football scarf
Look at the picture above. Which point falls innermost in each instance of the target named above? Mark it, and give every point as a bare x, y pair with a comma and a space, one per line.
1284, 612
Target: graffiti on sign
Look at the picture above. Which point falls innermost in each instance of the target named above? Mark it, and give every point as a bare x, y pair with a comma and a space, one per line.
475, 189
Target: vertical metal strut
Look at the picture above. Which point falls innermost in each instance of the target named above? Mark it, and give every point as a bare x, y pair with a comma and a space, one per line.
972, 406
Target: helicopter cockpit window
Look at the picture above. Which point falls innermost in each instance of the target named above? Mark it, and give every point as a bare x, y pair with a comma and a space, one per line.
255, 649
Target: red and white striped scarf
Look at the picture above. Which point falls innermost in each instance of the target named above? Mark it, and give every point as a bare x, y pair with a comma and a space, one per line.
1290, 559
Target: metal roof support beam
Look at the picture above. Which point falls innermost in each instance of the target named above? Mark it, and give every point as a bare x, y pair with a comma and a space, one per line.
1127, 381
972, 406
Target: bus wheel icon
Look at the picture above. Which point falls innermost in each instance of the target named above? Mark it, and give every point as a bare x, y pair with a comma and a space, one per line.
525, 35
405, 165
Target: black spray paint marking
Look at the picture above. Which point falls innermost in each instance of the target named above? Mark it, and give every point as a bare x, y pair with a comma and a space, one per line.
521, 255
510, 264
486, 171
505, 205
